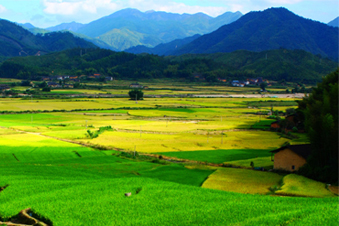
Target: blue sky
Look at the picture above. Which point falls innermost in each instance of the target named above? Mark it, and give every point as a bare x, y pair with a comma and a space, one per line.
46, 13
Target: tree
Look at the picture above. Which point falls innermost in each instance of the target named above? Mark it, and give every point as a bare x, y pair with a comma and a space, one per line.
43, 84
136, 94
26, 83
90, 71
46, 89
263, 86
77, 85
321, 123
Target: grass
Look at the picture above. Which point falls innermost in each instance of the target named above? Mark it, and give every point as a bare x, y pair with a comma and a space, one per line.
219, 156
90, 191
264, 162
297, 185
262, 124
178, 174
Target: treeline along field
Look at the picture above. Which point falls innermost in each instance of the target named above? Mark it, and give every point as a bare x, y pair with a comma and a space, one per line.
297, 66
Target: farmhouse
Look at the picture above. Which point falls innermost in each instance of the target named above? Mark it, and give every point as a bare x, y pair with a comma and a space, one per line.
109, 78
136, 85
4, 87
275, 125
68, 86
53, 85
291, 157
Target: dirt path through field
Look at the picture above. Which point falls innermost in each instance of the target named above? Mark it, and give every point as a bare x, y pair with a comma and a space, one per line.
287, 95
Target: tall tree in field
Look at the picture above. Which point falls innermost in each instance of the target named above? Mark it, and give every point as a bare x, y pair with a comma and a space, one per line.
136, 94
321, 123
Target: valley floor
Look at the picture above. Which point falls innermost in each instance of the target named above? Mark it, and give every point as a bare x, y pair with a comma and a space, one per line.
75, 165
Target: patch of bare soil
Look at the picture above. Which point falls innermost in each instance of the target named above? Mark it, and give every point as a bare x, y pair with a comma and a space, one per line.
4, 187
334, 189
24, 218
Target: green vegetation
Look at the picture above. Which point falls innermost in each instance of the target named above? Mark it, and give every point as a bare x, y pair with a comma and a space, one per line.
240, 65
136, 94
15, 45
260, 162
78, 191
321, 121
219, 156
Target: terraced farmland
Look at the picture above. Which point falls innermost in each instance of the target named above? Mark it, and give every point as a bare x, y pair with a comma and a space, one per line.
67, 166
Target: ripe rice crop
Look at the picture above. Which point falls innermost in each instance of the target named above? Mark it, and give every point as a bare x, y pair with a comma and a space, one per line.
149, 142
242, 180
301, 186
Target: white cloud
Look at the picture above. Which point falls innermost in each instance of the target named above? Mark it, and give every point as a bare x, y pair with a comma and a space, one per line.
2, 9
283, 1
73, 7
77, 7
181, 8
85, 11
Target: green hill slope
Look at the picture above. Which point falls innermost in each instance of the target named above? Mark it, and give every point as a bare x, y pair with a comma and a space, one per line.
17, 41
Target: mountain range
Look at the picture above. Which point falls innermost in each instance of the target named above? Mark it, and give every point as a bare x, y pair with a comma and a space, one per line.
269, 29
164, 49
131, 27
273, 28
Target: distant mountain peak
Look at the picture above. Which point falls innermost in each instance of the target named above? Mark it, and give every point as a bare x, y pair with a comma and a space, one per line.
72, 26
150, 28
272, 28
150, 11
27, 25
334, 23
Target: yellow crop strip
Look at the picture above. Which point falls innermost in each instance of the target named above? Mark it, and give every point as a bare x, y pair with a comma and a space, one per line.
242, 180
297, 185
153, 142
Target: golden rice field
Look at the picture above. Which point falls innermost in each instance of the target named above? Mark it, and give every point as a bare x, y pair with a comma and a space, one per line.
15, 104
296, 185
242, 180
154, 142
167, 125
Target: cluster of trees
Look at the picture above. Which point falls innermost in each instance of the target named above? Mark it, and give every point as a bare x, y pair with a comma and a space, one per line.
320, 111
120, 65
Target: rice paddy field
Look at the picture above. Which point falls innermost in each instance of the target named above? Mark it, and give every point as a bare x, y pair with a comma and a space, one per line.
72, 161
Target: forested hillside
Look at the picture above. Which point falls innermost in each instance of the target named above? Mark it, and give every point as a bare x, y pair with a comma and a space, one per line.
273, 28
17, 41
291, 65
